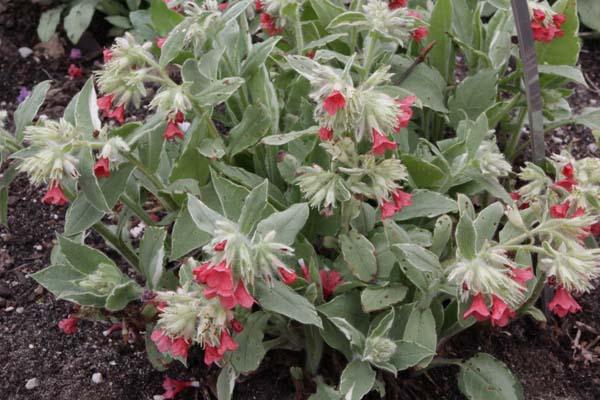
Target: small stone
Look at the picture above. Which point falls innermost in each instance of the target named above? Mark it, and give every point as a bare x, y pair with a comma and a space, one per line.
38, 247
158, 397
20, 310
25, 52
32, 383
97, 378
31, 346
113, 363
592, 147
9, 309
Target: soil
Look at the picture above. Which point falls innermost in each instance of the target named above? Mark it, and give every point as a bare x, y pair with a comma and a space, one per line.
544, 358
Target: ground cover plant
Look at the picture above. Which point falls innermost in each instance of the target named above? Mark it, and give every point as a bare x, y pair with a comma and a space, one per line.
313, 177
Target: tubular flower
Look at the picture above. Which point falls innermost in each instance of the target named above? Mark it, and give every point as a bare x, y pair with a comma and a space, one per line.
478, 309
397, 4
546, 25
563, 303
55, 195
381, 143
329, 281
325, 134
213, 354
173, 132
105, 104
118, 114
521, 276
111, 151
269, 24
74, 71
334, 102
68, 325
173, 387
401, 199
392, 19
101, 168
501, 312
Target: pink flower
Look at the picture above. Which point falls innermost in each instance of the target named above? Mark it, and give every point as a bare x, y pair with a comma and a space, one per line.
68, 325
118, 114
101, 168
394, 4
559, 20
75, 54
239, 297
381, 143
566, 184
568, 171
55, 195
501, 312
595, 229
287, 276
563, 303
259, 5
162, 341
325, 134
237, 326
522, 275
560, 210
107, 55
478, 309
219, 282
419, 34
214, 354
173, 132
173, 387
267, 22
160, 42
330, 280
402, 199
74, 71
221, 246
405, 113
179, 347
539, 15
105, 104
388, 209
223, 6
334, 102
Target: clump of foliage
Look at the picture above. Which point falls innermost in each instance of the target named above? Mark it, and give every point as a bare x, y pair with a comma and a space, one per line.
313, 177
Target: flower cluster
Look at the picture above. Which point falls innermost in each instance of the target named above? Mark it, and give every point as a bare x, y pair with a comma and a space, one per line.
546, 24
394, 21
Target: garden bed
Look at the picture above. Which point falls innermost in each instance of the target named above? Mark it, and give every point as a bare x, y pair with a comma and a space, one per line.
544, 358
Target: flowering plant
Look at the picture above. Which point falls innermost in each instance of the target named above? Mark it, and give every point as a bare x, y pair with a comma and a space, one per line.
310, 176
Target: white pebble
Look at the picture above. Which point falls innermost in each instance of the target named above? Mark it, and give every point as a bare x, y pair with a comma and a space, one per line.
9, 309
38, 247
97, 378
158, 397
20, 310
25, 52
31, 346
113, 363
32, 383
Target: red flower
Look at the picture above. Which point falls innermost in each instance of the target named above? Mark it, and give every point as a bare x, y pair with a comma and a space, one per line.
406, 113
566, 184
223, 6
105, 104
539, 15
221, 246
402, 199
325, 134
311, 54
563, 303
74, 71
330, 280
478, 309
239, 297
179, 347
394, 4
595, 229
173, 132
568, 171
334, 102
259, 5
522, 275
68, 325
388, 209
560, 210
160, 42
162, 341
55, 195
237, 326
118, 114
559, 20
214, 354
101, 168
219, 282
419, 34
501, 312
381, 143
545, 31
267, 22
107, 55
173, 387
287, 276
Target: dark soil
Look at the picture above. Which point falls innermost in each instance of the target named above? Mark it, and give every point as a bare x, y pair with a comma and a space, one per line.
544, 358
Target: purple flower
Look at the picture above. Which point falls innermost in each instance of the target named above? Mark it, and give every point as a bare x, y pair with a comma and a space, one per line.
75, 54
23, 94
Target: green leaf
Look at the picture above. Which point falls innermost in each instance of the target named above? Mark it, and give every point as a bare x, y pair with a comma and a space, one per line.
174, 43
251, 351
422, 173
231, 196
589, 117
83, 258
186, 236
163, 18
409, 353
418, 257
441, 235
484, 377
60, 280
219, 91
349, 19
48, 22
286, 224
152, 254
420, 329
473, 96
254, 205
86, 110
326, 10
426, 83
89, 183
281, 139
427, 204
440, 24
357, 380
81, 215
283, 300
79, 18
589, 12
325, 392
226, 382
359, 255
254, 125
122, 295
375, 299
564, 71
562, 50
29, 108
466, 237
487, 222
258, 54
202, 215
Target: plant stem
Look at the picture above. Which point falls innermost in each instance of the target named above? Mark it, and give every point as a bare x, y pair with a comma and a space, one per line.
299, 34
535, 294
421, 58
507, 108
368, 61
137, 210
511, 146
115, 242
